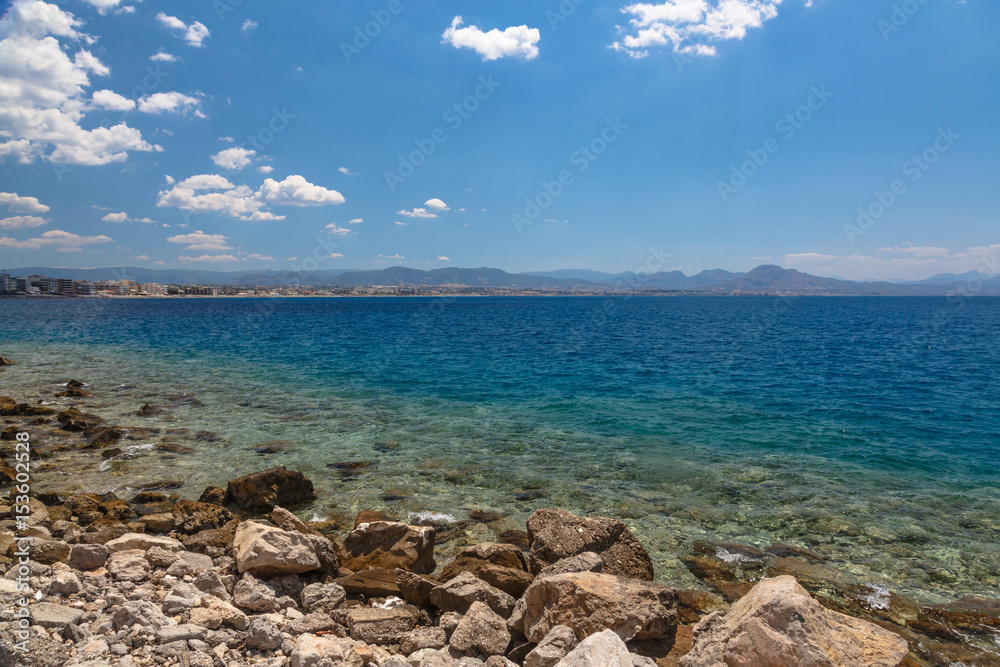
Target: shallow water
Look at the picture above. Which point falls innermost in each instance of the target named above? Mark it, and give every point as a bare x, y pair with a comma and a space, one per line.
865, 428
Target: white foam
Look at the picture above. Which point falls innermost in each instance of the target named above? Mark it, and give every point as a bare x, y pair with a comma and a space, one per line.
317, 517
878, 599
731, 557
435, 517
390, 603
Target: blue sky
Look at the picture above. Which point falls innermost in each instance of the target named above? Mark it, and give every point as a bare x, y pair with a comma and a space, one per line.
839, 138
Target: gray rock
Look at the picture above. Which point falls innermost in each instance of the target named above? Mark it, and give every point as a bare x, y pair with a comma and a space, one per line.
559, 641
604, 648
143, 542
265, 551
211, 583
429, 657
379, 626
50, 615
178, 633
190, 563
64, 583
127, 614
263, 634
252, 594
587, 561
128, 565
481, 630
322, 597
418, 638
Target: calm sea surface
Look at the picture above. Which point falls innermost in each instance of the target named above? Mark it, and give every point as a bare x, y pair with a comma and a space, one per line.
865, 428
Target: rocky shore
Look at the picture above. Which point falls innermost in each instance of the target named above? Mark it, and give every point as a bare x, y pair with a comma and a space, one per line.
236, 578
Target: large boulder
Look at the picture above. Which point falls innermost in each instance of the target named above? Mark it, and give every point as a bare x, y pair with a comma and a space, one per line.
604, 648
466, 589
777, 623
325, 551
481, 630
555, 534
554, 646
267, 551
261, 491
589, 603
388, 545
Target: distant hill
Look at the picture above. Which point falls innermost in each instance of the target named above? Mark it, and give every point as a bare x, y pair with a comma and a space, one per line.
576, 274
481, 277
771, 279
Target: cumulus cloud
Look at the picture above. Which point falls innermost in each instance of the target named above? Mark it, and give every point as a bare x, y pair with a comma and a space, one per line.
106, 99
163, 57
332, 228
265, 169
22, 222
258, 256
115, 217
417, 213
172, 102
104, 5
212, 192
234, 158
44, 76
201, 241
436, 204
297, 191
18, 204
194, 34
248, 26
57, 238
518, 41
355, 221
690, 27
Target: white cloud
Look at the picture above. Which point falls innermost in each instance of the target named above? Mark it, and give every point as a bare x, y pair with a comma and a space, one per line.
336, 255
355, 221
248, 26
163, 57
436, 204
211, 192
417, 213
22, 222
346, 171
208, 258
444, 259
332, 228
104, 5
233, 158
691, 27
172, 102
201, 241
908, 262
115, 217
18, 204
520, 41
265, 169
297, 191
106, 99
146, 220
391, 256
918, 251
55, 238
401, 224
145, 257
263, 258
43, 95
194, 34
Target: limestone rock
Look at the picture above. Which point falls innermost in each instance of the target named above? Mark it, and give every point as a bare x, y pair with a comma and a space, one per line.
504, 555
555, 534
313, 651
419, 638
604, 648
129, 565
261, 491
379, 626
510, 580
465, 589
50, 615
142, 541
388, 545
373, 583
481, 630
559, 641
190, 563
415, 588
322, 597
192, 517
266, 551
778, 623
249, 593
263, 634
589, 603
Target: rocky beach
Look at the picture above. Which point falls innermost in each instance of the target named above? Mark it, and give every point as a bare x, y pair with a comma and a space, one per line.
237, 578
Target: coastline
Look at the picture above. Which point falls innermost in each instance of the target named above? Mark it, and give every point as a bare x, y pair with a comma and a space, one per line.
726, 571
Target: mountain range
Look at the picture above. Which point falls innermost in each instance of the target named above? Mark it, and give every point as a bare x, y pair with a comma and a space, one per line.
766, 279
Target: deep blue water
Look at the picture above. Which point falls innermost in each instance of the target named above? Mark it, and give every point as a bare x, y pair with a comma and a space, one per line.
751, 418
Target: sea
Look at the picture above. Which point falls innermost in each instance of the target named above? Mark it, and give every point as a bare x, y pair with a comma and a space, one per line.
864, 428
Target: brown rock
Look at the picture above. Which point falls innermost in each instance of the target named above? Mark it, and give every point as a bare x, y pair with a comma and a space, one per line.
102, 437
555, 534
504, 555
692, 605
372, 583
779, 624
193, 517
261, 491
459, 594
74, 420
481, 630
388, 545
370, 516
214, 495
511, 581
416, 589
589, 602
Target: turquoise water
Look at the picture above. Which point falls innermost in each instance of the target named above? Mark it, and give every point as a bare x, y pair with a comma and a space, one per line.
865, 428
